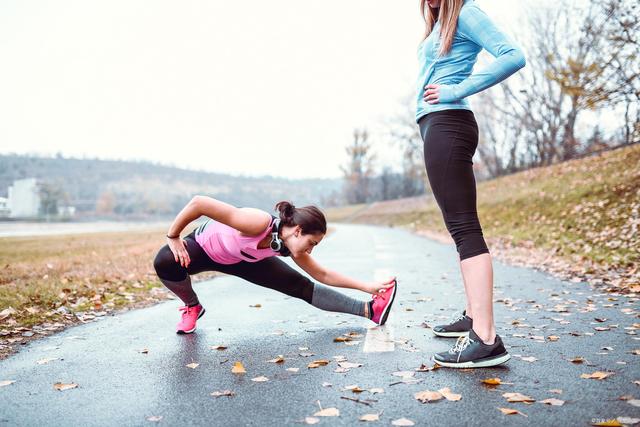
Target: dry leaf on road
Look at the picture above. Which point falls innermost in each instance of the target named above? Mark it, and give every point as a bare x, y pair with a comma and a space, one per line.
508, 411
327, 412
222, 393
238, 368
597, 375
62, 387
449, 395
428, 396
553, 402
518, 397
370, 417
318, 363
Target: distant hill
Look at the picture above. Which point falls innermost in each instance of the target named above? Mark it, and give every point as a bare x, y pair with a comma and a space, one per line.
128, 188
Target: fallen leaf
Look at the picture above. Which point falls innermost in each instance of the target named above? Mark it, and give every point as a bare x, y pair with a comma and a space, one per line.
342, 339
577, 360
326, 384
260, 379
598, 375
529, 359
628, 420
508, 411
370, 417
256, 306
278, 359
449, 395
62, 387
192, 365
608, 423
311, 420
45, 361
238, 368
327, 412
222, 393
293, 369
376, 390
404, 374
517, 397
154, 418
217, 347
6, 383
492, 381
553, 402
318, 363
428, 396
354, 388
349, 365
402, 422
553, 338
634, 402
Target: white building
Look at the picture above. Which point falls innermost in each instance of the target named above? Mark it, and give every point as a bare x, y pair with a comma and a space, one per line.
4, 207
24, 199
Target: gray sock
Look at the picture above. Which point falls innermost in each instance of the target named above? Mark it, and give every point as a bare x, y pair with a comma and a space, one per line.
183, 290
325, 298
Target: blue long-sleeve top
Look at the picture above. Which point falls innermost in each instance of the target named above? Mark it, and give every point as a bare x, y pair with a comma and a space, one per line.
474, 32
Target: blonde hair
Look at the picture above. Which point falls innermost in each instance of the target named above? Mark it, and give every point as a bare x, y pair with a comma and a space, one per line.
447, 14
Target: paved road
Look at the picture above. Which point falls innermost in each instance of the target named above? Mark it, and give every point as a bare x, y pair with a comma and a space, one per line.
120, 385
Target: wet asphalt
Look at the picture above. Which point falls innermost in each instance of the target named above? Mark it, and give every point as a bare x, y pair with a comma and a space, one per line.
131, 368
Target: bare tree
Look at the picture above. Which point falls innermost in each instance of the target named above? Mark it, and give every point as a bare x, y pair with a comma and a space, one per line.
359, 169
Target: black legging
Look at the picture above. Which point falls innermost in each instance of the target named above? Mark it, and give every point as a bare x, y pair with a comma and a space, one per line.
270, 272
450, 140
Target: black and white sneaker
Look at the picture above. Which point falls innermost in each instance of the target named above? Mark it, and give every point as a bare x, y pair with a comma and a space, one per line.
458, 327
471, 352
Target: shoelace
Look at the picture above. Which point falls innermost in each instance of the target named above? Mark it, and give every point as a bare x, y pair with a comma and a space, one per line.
185, 309
462, 343
457, 318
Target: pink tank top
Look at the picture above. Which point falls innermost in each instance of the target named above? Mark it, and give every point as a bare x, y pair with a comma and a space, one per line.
225, 245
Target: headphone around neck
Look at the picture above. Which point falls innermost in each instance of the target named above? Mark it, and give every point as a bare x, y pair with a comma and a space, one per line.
276, 243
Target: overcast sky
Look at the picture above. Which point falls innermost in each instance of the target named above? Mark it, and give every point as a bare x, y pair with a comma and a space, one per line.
242, 87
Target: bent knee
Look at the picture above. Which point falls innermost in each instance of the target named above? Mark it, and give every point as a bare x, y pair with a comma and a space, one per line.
166, 266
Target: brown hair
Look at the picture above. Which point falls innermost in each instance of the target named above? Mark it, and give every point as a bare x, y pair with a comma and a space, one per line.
309, 218
447, 14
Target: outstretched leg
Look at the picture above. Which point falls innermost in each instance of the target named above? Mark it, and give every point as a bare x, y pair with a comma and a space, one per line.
273, 273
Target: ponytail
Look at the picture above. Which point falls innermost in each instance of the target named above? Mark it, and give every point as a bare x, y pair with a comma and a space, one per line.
309, 218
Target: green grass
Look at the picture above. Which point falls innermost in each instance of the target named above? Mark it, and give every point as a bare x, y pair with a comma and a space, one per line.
585, 210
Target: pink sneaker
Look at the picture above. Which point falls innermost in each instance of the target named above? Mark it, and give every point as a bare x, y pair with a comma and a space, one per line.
382, 304
189, 317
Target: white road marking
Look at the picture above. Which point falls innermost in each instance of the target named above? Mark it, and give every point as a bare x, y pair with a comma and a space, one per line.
379, 338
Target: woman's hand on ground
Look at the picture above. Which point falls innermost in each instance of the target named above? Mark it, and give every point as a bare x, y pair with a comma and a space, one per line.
376, 287
179, 249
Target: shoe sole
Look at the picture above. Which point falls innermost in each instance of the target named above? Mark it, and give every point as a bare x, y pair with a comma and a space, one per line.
194, 328
451, 334
385, 313
482, 363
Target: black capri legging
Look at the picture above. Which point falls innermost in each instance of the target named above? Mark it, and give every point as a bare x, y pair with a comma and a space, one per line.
271, 272
450, 139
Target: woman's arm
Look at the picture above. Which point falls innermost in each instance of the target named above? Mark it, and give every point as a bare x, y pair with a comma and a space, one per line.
332, 278
475, 25
248, 221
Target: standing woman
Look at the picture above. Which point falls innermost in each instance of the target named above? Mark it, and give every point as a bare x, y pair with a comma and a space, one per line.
456, 31
246, 242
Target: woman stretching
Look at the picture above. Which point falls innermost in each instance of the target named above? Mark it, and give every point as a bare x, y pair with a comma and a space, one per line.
245, 242
456, 31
